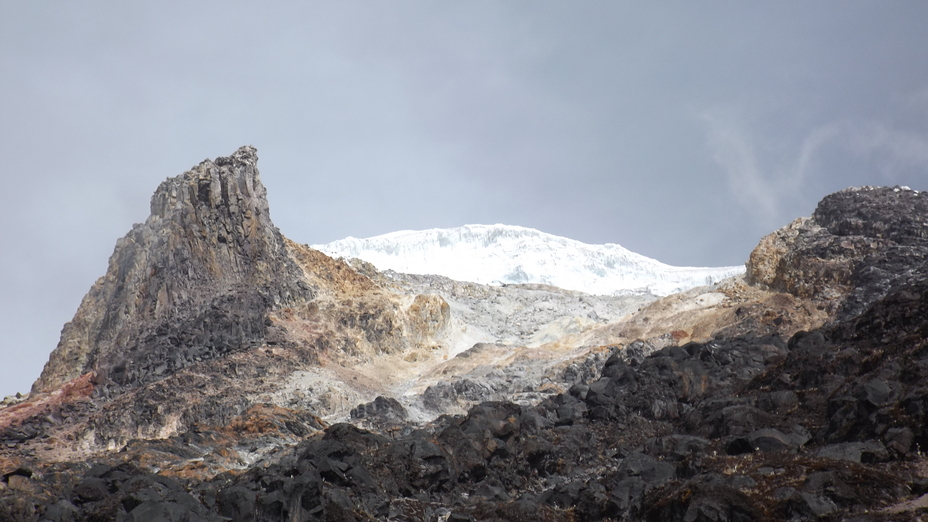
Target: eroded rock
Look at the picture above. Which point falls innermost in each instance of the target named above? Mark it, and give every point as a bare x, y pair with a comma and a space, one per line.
194, 282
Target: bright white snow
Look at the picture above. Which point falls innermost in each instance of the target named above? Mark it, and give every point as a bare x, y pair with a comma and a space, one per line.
508, 254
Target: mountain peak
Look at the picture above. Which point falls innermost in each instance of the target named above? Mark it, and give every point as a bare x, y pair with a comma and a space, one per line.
511, 255
223, 182
208, 257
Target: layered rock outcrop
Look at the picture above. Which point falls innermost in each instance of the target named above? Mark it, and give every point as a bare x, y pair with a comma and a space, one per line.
194, 282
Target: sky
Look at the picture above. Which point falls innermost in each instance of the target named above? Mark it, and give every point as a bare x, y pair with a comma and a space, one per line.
684, 131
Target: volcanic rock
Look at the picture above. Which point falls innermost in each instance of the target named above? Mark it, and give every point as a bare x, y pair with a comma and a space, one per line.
222, 372
194, 282
859, 243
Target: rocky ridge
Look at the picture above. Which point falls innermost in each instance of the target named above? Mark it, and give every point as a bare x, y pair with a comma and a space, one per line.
795, 393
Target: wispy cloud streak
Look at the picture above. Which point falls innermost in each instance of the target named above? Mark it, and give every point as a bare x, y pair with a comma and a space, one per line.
763, 185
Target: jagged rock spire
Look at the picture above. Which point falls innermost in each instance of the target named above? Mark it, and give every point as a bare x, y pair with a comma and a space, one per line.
194, 281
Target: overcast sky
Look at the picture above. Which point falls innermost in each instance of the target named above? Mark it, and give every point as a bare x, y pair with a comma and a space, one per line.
683, 131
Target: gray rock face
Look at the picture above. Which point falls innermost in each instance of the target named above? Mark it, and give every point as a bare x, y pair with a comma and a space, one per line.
892, 213
858, 245
191, 283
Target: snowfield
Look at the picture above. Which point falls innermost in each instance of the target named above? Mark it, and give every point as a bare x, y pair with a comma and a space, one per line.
488, 254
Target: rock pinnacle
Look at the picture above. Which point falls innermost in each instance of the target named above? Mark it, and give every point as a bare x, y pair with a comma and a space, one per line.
194, 281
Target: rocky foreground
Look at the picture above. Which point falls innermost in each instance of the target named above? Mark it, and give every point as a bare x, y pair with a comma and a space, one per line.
222, 372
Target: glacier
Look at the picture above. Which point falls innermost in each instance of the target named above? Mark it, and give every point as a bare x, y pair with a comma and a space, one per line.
506, 254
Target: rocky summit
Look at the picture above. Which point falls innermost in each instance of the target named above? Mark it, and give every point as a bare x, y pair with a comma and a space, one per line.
219, 371
195, 281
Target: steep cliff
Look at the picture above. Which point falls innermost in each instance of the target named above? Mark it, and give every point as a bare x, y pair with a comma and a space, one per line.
488, 254
194, 282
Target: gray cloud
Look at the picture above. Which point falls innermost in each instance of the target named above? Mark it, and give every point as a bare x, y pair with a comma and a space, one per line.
681, 131
733, 148
764, 187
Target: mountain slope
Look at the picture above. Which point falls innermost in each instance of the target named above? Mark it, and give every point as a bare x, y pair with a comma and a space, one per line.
224, 372
509, 254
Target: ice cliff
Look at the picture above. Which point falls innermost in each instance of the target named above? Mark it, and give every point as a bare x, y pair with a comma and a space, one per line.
510, 254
